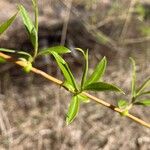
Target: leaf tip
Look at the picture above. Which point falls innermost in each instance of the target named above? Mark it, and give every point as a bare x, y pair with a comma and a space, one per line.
104, 59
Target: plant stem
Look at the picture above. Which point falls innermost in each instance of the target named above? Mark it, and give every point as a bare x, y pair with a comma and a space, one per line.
37, 28
59, 82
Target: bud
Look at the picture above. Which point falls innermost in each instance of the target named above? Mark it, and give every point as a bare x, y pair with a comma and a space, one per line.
28, 67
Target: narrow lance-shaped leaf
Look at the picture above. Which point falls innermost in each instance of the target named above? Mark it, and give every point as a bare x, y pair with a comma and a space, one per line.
85, 69
102, 86
133, 77
65, 70
73, 109
16, 52
33, 36
26, 19
6, 24
98, 72
145, 102
144, 93
57, 49
143, 86
29, 25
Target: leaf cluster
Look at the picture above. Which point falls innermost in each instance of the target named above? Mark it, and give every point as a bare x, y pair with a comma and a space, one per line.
137, 92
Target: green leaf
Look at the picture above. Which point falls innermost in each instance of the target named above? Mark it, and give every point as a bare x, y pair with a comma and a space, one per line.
73, 109
98, 71
8, 50
144, 93
26, 19
133, 77
29, 25
5, 25
102, 86
33, 36
143, 86
122, 104
65, 70
16, 52
57, 49
145, 102
85, 69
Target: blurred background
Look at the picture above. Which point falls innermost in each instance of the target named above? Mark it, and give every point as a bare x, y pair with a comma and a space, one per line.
33, 110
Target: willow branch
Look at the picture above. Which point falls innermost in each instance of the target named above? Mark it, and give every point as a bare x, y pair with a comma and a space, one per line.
59, 82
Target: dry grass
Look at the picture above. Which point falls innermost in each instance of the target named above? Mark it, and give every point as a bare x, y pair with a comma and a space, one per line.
33, 117
32, 111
